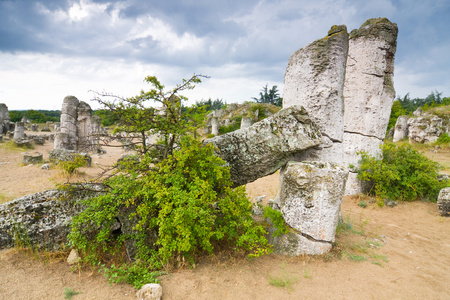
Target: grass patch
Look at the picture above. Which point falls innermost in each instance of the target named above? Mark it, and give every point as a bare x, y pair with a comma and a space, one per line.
69, 293
284, 279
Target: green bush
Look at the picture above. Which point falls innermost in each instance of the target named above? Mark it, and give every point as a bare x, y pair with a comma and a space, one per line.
443, 139
235, 125
277, 220
401, 173
184, 197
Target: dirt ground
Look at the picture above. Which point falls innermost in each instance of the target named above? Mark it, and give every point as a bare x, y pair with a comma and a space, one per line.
401, 252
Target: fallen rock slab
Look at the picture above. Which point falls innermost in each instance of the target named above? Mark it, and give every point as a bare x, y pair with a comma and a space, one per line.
41, 219
266, 146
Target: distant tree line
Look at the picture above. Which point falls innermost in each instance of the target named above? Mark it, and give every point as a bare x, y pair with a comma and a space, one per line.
35, 116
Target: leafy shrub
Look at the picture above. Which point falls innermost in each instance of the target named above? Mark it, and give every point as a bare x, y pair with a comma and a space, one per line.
443, 139
235, 125
71, 167
183, 196
401, 173
277, 220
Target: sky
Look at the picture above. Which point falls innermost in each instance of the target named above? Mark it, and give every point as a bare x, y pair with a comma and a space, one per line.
53, 48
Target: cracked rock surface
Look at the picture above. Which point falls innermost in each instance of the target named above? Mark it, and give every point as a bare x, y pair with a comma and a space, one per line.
266, 146
310, 200
368, 91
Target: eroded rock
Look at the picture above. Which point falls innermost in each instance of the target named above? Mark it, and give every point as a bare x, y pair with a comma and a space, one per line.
266, 146
40, 219
150, 291
401, 129
425, 128
32, 158
314, 78
368, 89
443, 202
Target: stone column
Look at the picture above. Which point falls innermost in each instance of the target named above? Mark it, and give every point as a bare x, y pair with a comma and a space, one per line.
314, 79
214, 126
368, 91
401, 129
67, 137
19, 131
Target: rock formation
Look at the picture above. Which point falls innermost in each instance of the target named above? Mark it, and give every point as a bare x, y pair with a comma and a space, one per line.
40, 219
150, 291
238, 116
4, 119
425, 128
314, 79
78, 127
443, 202
19, 131
266, 146
32, 158
401, 129
368, 91
310, 201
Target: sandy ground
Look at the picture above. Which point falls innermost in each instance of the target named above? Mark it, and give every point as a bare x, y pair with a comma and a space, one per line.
392, 253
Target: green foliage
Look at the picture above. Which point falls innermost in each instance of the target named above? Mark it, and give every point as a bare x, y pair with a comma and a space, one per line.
211, 104
277, 220
35, 116
71, 167
16, 115
434, 99
443, 139
362, 204
136, 274
401, 173
261, 111
235, 124
69, 293
271, 96
182, 194
396, 111
108, 117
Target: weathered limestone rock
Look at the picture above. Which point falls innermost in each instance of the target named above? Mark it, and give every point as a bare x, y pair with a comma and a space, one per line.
32, 158
79, 129
443, 202
67, 136
215, 126
34, 127
40, 219
401, 129
150, 291
314, 78
266, 146
73, 257
310, 198
19, 131
4, 119
295, 244
88, 127
368, 89
426, 128
246, 122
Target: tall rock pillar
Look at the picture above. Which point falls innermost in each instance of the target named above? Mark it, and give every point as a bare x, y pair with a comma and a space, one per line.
314, 79
368, 91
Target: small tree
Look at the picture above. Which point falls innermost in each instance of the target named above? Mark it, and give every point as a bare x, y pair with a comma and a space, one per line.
179, 190
269, 96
